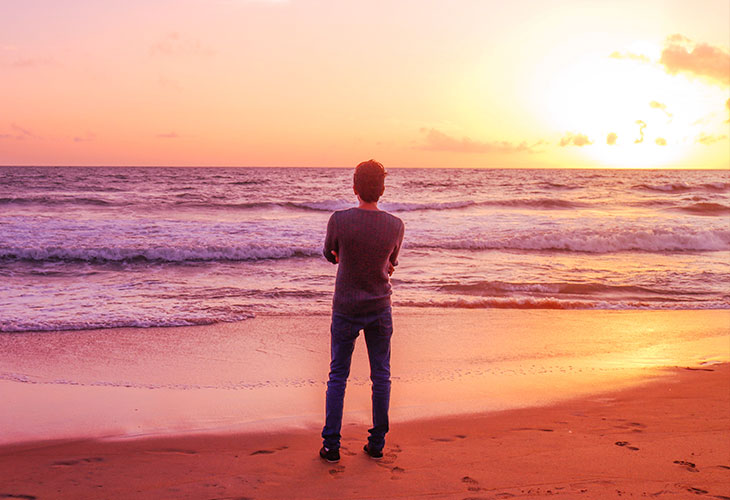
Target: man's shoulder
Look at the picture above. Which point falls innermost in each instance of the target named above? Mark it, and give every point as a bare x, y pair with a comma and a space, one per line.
354, 213
394, 219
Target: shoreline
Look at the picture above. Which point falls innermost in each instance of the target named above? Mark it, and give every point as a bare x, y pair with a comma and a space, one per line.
269, 372
401, 310
666, 438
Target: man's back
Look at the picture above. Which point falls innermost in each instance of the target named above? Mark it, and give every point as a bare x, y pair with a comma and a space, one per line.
367, 242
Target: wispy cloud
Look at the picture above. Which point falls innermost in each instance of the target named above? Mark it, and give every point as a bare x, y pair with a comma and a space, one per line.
682, 55
19, 133
168, 135
611, 138
10, 57
571, 139
630, 56
438, 141
660, 106
178, 44
708, 139
642, 126
85, 138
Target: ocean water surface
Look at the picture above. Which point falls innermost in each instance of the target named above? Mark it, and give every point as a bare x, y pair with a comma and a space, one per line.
103, 247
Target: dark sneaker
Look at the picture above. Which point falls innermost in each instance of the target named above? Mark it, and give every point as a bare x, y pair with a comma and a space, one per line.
331, 456
374, 454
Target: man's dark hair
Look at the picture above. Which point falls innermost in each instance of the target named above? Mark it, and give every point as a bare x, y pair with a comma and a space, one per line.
370, 180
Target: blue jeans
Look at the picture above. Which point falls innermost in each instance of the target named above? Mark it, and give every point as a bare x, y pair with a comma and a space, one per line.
378, 328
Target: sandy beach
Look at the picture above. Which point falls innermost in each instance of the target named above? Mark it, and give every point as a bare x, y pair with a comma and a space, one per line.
486, 404
666, 439
525, 204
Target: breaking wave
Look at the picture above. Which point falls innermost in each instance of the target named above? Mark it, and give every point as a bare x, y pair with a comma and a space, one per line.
593, 241
504, 288
555, 303
120, 254
706, 209
681, 187
104, 322
45, 200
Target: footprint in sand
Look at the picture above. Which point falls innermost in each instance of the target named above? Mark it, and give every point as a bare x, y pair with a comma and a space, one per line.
687, 465
345, 451
633, 426
626, 444
268, 452
448, 439
337, 471
263, 452
397, 472
68, 463
389, 457
472, 484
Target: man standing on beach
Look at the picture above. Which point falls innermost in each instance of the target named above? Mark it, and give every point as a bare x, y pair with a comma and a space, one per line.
365, 242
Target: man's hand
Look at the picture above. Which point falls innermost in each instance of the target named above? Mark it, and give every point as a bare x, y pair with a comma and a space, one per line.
337, 257
391, 268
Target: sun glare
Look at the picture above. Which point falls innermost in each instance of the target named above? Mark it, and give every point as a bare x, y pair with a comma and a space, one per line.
632, 112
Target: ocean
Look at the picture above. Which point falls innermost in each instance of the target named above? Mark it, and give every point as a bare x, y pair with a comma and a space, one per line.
103, 247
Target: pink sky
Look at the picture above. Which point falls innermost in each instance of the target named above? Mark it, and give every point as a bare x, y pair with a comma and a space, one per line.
412, 83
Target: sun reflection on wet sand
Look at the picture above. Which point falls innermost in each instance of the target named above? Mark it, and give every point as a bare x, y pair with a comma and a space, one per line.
269, 372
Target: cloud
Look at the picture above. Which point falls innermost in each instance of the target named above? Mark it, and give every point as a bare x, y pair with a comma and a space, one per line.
709, 139
168, 135
642, 126
682, 55
19, 133
660, 141
85, 138
630, 56
177, 44
23, 62
660, 106
571, 139
611, 138
438, 141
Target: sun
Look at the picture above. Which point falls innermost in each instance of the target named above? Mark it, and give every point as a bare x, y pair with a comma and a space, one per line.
633, 113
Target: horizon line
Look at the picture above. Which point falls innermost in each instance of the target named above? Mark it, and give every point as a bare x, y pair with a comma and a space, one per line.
349, 167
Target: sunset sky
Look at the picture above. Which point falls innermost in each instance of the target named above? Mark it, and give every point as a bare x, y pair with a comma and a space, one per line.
464, 83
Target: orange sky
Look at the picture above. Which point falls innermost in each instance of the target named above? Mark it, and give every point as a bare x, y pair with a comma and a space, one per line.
430, 83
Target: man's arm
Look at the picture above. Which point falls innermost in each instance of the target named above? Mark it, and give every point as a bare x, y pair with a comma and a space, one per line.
331, 246
396, 250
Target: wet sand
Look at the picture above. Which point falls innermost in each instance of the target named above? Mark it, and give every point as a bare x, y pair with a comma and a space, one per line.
269, 373
665, 439
486, 404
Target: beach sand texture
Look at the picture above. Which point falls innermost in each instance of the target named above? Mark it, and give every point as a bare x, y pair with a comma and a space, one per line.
486, 404
668, 439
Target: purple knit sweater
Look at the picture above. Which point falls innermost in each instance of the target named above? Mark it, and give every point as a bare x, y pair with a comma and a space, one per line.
365, 240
